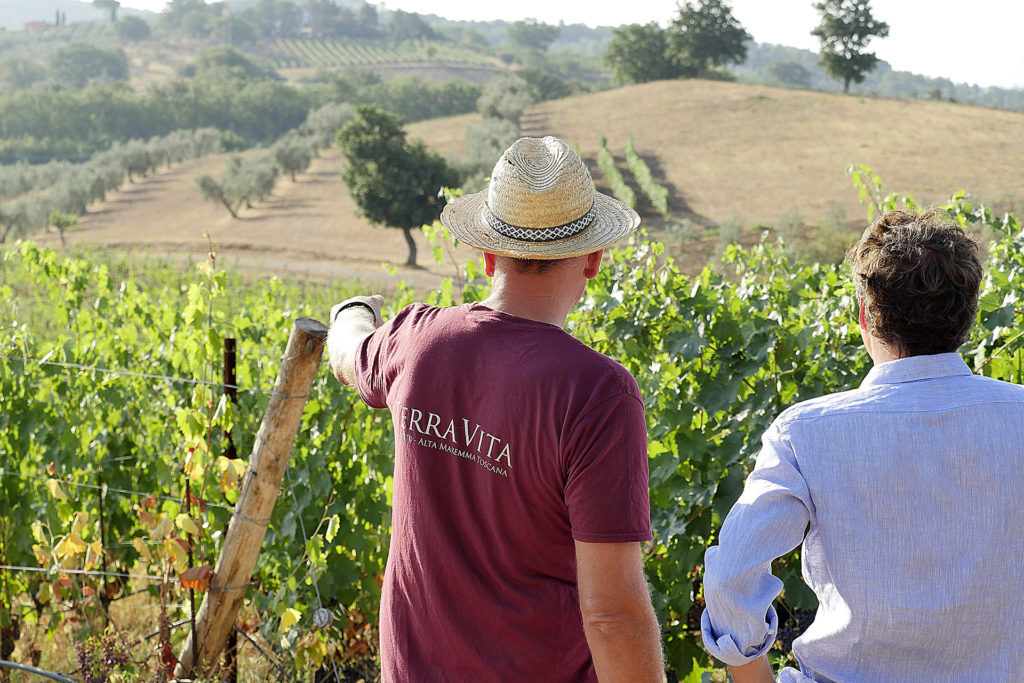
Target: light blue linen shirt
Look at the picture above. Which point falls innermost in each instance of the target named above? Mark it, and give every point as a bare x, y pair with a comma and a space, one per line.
911, 492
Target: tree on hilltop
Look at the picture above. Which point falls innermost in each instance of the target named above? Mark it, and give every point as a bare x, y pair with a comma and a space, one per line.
846, 28
531, 34
638, 53
706, 34
75, 65
108, 6
133, 29
392, 181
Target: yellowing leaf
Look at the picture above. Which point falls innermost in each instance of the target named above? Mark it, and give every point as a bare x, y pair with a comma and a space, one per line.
177, 555
146, 518
70, 545
289, 618
164, 528
231, 470
143, 548
81, 519
42, 555
188, 525
53, 486
44, 594
38, 532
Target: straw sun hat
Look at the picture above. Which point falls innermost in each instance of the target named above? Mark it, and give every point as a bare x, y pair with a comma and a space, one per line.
541, 204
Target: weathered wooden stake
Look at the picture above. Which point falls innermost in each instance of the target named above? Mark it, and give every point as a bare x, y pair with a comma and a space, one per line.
270, 454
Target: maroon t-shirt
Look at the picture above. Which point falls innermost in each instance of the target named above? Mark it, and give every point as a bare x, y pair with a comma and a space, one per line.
512, 440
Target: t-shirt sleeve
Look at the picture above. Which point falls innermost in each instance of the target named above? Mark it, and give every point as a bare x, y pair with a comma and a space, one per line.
606, 489
378, 360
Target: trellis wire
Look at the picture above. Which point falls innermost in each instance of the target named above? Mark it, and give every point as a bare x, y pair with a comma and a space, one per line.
184, 380
146, 375
126, 492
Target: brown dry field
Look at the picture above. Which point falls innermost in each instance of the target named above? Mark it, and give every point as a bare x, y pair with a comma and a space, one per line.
306, 230
727, 151
727, 148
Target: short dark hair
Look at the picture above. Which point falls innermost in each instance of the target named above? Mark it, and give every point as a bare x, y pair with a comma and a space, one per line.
533, 266
918, 277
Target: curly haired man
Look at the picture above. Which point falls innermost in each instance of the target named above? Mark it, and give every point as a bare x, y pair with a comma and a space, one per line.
905, 493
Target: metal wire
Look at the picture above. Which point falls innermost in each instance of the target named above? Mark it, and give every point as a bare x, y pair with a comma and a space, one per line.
38, 672
126, 492
88, 572
265, 655
146, 375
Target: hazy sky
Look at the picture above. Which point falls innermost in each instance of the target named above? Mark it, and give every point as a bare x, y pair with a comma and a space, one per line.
967, 42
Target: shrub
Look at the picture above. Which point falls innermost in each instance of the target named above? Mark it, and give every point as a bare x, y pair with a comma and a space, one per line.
606, 162
657, 194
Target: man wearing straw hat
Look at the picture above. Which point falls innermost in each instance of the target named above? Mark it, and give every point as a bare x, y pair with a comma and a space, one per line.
520, 496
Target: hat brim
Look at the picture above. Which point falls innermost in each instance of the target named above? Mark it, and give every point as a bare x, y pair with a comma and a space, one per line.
464, 218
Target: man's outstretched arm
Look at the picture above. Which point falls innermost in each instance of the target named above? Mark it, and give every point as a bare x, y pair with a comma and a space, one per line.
352, 321
618, 618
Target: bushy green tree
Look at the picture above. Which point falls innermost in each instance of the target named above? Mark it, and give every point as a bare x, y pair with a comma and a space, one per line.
789, 73
133, 29
244, 180
108, 6
323, 123
393, 182
639, 53
546, 86
506, 96
292, 154
13, 219
77, 64
18, 72
486, 142
409, 26
846, 28
706, 34
63, 222
221, 64
276, 18
532, 34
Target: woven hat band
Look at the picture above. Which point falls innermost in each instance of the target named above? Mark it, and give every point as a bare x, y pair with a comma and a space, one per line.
558, 232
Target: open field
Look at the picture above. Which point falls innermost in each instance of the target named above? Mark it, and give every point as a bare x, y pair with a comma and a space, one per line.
727, 149
729, 153
306, 230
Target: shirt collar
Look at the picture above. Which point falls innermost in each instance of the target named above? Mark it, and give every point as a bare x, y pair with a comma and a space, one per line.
917, 368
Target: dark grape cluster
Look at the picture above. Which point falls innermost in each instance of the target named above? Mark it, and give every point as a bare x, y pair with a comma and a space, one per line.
99, 656
791, 626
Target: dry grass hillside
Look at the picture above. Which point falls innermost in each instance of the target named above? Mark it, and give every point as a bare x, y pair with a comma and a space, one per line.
729, 153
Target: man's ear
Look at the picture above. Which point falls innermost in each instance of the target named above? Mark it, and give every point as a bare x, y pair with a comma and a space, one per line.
489, 261
862, 318
593, 266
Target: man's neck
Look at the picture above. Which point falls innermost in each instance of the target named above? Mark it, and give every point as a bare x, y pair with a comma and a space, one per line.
534, 298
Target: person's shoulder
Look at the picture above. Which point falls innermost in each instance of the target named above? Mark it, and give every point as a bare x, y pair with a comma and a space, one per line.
998, 389
600, 367
840, 402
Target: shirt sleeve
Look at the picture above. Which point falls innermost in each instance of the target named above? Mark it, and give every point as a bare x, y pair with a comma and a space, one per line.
606, 489
378, 360
768, 521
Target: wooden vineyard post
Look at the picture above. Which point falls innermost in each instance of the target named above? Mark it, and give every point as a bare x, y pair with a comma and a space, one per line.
270, 454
